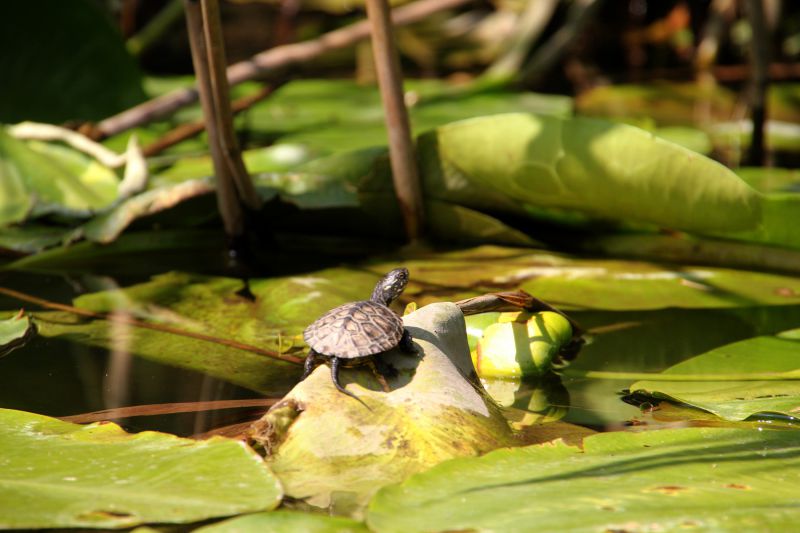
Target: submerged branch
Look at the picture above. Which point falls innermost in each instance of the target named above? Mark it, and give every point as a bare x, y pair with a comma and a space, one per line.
165, 409
403, 157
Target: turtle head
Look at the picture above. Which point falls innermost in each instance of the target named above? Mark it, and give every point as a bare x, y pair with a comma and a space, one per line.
390, 286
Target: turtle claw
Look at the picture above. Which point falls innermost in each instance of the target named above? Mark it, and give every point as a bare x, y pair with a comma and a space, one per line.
335, 378
407, 343
309, 365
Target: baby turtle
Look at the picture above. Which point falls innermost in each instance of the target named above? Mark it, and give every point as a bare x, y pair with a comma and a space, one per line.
357, 330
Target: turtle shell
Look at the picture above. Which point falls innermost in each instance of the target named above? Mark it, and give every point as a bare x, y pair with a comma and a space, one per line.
355, 329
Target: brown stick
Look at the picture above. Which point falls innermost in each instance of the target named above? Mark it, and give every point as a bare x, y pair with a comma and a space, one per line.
125, 319
165, 409
228, 144
228, 203
268, 62
401, 147
510, 302
759, 61
191, 129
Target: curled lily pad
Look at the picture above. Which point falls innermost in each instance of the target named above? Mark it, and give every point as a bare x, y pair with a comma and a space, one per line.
521, 345
15, 332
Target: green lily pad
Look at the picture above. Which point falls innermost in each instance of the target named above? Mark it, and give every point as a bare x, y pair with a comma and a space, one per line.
286, 522
777, 226
601, 169
57, 474
14, 332
342, 115
106, 227
210, 306
732, 399
706, 479
570, 282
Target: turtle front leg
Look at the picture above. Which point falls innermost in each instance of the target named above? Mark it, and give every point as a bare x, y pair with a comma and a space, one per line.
335, 378
310, 364
407, 343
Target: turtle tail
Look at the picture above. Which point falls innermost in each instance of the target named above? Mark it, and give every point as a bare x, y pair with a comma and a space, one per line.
335, 377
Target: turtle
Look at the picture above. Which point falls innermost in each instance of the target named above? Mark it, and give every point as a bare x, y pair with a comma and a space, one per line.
355, 332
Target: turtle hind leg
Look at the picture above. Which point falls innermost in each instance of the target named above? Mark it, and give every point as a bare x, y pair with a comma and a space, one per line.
335, 378
310, 364
406, 343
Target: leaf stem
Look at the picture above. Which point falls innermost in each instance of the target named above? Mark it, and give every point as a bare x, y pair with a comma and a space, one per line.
627, 376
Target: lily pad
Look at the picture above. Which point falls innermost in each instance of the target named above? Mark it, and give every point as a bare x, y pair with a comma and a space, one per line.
57, 474
286, 522
736, 399
14, 332
575, 283
342, 115
213, 308
702, 478
611, 171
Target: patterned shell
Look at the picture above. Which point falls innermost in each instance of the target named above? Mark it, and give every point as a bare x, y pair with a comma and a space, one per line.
356, 329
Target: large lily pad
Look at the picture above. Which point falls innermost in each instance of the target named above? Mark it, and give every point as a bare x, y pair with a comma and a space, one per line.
707, 479
343, 115
214, 308
602, 169
571, 282
736, 399
57, 474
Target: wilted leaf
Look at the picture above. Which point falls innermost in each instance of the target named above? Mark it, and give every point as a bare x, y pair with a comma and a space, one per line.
108, 226
708, 479
57, 474
49, 179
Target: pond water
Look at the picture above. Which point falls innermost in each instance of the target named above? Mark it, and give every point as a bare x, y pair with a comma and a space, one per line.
63, 376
